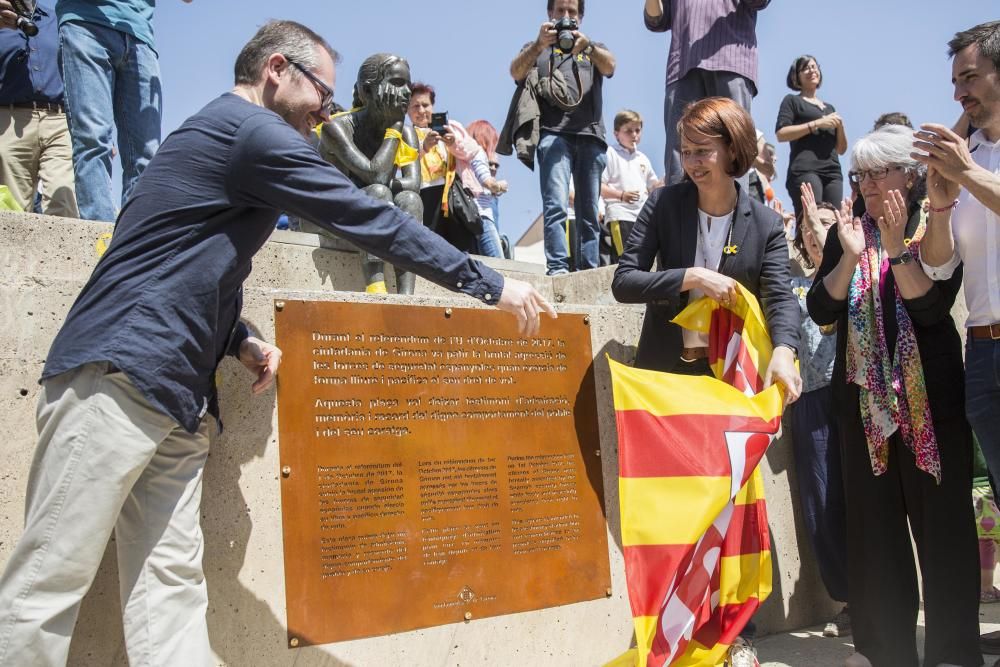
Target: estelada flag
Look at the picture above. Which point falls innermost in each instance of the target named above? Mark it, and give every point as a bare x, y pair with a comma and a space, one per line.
693, 519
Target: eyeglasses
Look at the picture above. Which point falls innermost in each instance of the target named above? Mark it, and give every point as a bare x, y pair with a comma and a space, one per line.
856, 177
325, 91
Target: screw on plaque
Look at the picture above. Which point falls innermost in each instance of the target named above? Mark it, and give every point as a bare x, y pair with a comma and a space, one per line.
608, 591
279, 305
598, 453
293, 642
468, 615
586, 320
447, 312
286, 471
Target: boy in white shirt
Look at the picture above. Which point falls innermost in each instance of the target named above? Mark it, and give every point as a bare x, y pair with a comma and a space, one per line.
627, 180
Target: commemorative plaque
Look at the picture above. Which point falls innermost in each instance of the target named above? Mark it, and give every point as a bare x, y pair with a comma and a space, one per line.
435, 467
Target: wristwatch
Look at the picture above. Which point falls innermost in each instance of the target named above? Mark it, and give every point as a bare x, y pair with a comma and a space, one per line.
588, 50
904, 258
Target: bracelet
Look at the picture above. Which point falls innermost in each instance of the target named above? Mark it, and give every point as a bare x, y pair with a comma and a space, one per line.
943, 208
621, 197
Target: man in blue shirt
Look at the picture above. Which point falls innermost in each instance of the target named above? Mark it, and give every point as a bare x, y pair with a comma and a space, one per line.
113, 86
35, 150
128, 389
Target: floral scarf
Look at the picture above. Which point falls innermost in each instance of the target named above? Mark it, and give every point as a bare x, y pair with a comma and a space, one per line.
893, 392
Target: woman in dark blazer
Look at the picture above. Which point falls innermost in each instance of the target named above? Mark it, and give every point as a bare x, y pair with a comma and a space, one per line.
706, 235
897, 391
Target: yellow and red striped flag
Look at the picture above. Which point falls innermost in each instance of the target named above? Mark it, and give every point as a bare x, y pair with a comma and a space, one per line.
693, 519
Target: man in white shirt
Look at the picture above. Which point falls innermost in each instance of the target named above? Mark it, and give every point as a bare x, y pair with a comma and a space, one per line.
964, 177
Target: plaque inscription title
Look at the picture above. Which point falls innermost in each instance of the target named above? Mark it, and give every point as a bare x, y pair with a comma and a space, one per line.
436, 467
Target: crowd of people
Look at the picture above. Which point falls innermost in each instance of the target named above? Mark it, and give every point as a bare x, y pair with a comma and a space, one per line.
886, 411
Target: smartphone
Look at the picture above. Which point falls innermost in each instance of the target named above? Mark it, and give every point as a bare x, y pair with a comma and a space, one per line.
439, 122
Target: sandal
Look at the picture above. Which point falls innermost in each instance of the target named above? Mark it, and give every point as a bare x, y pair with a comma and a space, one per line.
992, 594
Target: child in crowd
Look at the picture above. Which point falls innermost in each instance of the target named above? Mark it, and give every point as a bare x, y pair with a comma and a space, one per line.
987, 527
627, 180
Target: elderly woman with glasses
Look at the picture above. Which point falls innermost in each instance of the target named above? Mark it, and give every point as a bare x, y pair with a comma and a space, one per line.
906, 446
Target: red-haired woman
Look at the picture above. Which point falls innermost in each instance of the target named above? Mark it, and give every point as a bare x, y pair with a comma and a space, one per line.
706, 234
470, 163
489, 241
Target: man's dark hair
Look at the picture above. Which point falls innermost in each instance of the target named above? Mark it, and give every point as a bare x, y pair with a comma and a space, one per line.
292, 40
579, 6
892, 118
985, 35
800, 63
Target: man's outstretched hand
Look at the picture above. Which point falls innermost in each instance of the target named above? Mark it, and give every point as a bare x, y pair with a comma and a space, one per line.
261, 359
525, 303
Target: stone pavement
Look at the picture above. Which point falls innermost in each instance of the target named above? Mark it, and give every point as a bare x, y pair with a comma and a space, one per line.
809, 648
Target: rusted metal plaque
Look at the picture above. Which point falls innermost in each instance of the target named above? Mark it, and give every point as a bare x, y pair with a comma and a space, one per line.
435, 467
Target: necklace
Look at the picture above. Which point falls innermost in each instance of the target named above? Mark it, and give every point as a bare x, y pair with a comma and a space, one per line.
728, 248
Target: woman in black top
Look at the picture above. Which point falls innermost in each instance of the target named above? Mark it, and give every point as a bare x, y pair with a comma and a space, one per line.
816, 133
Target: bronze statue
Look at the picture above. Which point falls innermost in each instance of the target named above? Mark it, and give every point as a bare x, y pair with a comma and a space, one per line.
365, 144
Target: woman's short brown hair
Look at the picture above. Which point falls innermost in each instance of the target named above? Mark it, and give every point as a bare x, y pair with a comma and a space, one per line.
723, 118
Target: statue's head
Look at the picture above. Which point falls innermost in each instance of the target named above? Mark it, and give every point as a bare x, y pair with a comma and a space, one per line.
383, 84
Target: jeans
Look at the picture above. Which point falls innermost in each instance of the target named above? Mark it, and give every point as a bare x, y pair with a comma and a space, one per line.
112, 88
107, 460
816, 445
489, 240
982, 397
560, 157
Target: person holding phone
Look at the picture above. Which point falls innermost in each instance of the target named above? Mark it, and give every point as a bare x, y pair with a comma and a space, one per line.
446, 142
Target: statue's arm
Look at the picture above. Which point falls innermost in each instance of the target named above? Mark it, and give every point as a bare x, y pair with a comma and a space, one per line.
378, 169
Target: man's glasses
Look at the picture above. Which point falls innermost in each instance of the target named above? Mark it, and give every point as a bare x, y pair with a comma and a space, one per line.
325, 91
856, 177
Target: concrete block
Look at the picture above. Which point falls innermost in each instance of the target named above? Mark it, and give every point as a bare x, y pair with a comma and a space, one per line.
47, 261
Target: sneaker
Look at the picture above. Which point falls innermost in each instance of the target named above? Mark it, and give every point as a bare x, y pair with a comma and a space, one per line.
742, 654
839, 625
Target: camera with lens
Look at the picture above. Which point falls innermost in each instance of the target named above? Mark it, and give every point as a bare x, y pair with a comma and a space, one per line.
565, 27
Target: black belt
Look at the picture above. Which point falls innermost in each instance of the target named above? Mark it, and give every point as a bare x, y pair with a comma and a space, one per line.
39, 106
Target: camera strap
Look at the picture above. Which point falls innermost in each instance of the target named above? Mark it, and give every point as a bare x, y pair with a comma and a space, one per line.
553, 87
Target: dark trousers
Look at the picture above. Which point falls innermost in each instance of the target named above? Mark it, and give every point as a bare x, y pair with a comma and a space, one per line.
825, 188
882, 578
695, 85
821, 486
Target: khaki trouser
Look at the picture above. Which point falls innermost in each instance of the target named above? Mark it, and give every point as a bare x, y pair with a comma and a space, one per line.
107, 459
36, 153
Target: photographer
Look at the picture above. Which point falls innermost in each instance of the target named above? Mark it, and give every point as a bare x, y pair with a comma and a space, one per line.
571, 71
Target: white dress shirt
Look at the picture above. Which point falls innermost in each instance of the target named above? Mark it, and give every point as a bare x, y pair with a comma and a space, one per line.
977, 243
713, 231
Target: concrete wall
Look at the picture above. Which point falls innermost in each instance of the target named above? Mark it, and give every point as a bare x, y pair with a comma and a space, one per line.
45, 262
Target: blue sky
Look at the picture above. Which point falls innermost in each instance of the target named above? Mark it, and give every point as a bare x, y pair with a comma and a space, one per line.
876, 55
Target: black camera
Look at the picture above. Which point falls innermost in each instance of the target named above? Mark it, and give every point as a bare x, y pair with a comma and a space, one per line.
25, 11
564, 27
